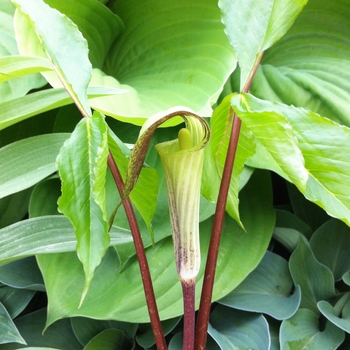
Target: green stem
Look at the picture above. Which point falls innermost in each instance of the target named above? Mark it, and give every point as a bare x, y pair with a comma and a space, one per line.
142, 259
209, 274
188, 291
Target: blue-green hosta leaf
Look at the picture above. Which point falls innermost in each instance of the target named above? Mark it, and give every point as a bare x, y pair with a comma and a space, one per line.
339, 314
254, 26
331, 247
234, 329
118, 295
15, 300
309, 67
9, 333
215, 156
170, 53
267, 290
319, 142
315, 280
65, 47
47, 234
302, 331
26, 162
82, 165
22, 108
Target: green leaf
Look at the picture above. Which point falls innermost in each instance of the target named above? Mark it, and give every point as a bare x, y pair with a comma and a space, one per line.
230, 329
118, 295
49, 234
82, 165
26, 162
65, 47
326, 166
253, 27
170, 54
331, 247
110, 339
215, 156
315, 280
18, 66
267, 290
8, 331
309, 66
22, 108
15, 300
303, 331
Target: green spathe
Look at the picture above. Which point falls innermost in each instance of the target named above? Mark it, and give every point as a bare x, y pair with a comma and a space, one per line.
183, 167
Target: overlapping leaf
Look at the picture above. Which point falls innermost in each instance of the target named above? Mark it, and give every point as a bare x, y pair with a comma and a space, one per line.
307, 149
82, 165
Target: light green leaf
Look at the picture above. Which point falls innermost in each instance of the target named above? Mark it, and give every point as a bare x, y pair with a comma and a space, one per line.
118, 295
315, 280
170, 53
318, 141
309, 67
26, 162
110, 339
215, 156
254, 26
267, 290
331, 247
65, 47
82, 165
47, 234
234, 329
303, 331
25, 107
9, 332
18, 66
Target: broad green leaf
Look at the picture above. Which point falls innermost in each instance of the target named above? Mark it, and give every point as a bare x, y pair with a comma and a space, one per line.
118, 295
82, 165
86, 328
25, 107
8, 48
254, 26
26, 162
339, 314
303, 331
315, 280
110, 339
309, 67
8, 331
15, 300
12, 67
266, 290
65, 47
58, 336
23, 273
331, 247
170, 53
49, 234
320, 142
215, 156
234, 329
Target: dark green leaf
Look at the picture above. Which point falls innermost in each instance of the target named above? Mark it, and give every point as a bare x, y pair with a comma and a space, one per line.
110, 339
15, 300
8, 331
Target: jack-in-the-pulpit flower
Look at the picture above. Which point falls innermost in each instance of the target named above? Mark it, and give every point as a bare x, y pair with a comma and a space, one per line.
182, 161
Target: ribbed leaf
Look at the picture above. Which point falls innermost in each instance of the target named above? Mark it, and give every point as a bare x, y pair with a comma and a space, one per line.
254, 26
65, 47
301, 136
82, 164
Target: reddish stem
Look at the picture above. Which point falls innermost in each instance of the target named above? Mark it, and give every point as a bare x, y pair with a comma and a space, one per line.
209, 274
188, 291
142, 259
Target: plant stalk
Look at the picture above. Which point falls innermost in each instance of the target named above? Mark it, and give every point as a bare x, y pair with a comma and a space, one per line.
188, 291
142, 259
213, 251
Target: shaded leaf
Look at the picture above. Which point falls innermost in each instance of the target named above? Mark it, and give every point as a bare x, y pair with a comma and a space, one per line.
233, 329
110, 339
267, 290
15, 300
9, 332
